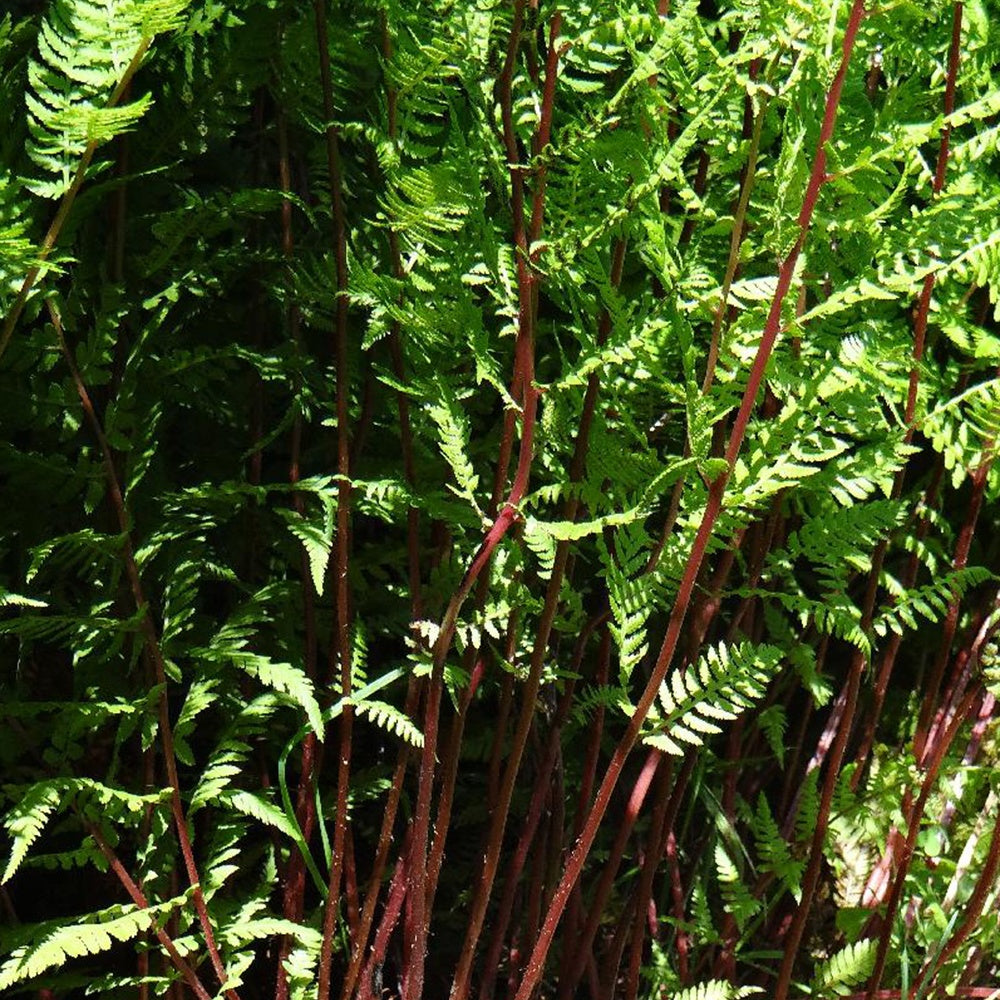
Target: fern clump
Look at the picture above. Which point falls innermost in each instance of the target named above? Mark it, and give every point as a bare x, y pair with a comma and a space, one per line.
500, 499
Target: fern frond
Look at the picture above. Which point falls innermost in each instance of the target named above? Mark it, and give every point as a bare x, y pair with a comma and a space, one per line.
54, 944
391, 719
716, 989
773, 851
845, 969
724, 682
85, 48
26, 820
930, 601
737, 897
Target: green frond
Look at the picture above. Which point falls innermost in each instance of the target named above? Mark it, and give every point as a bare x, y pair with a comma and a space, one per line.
931, 601
53, 944
85, 48
26, 820
285, 678
316, 536
736, 895
716, 989
391, 719
773, 851
723, 683
965, 429
847, 968
629, 595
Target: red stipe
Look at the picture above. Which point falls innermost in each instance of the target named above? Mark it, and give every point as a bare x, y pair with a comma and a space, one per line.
644, 909
973, 910
841, 724
587, 779
891, 650
294, 876
450, 762
583, 945
940, 171
525, 842
393, 908
522, 379
962, 546
341, 646
360, 943
501, 803
414, 575
137, 896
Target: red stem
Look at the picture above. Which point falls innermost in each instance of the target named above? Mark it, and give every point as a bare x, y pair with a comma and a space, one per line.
962, 546
305, 807
924, 303
973, 910
526, 283
523, 378
137, 897
342, 639
525, 842
583, 943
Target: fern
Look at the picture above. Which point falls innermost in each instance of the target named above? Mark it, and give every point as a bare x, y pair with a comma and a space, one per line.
719, 687
389, 718
774, 852
612, 363
85, 49
50, 946
24, 823
716, 989
847, 968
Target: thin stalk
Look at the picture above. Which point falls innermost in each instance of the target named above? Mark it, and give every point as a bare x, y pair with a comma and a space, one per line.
360, 943
839, 726
130, 885
525, 842
293, 901
569, 513
342, 641
414, 573
924, 303
644, 889
664, 846
587, 779
151, 643
499, 736
965, 662
713, 507
888, 659
962, 546
584, 943
393, 908
451, 759
138, 897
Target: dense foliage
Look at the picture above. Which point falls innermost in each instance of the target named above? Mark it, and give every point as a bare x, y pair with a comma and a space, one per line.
499, 498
